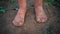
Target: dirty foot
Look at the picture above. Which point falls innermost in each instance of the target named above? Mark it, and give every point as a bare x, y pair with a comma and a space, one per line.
19, 19
40, 15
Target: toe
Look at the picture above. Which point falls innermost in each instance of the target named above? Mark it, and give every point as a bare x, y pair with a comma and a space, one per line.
15, 23
20, 23
43, 19
38, 20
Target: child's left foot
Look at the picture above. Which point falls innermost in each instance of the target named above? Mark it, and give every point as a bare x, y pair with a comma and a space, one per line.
40, 15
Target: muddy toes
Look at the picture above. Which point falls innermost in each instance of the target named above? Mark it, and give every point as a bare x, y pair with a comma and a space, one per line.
20, 23
42, 19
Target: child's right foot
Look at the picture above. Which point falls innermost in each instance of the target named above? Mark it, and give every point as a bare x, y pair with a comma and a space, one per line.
19, 19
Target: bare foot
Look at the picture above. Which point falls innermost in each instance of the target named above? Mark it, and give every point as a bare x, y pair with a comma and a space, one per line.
19, 19
40, 15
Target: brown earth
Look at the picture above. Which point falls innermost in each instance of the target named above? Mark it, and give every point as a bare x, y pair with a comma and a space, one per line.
30, 26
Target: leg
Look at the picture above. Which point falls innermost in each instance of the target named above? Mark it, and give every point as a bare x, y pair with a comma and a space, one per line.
19, 19
40, 14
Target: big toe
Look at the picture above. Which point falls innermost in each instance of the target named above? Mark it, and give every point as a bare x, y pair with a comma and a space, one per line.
38, 20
